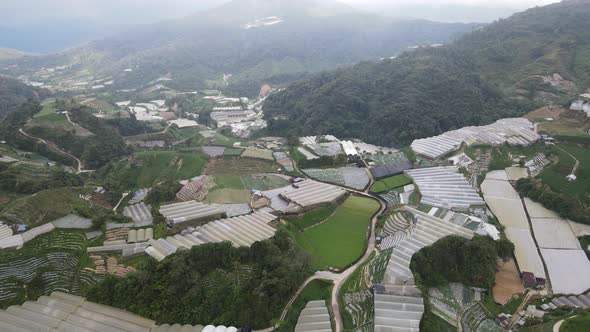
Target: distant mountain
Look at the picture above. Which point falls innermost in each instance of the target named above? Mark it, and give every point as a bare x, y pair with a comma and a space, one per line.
11, 54
505, 69
13, 93
306, 36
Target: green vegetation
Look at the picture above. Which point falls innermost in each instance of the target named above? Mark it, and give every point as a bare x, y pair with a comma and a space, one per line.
29, 178
311, 218
13, 93
555, 176
567, 206
230, 152
44, 206
355, 283
239, 166
510, 307
433, 323
491, 73
52, 261
390, 183
340, 240
230, 286
315, 290
580, 323
455, 259
148, 168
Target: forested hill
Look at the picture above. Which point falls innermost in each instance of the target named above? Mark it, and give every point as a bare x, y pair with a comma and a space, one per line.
13, 93
257, 41
504, 69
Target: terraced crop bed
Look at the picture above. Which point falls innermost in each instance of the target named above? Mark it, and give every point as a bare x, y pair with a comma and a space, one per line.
48, 263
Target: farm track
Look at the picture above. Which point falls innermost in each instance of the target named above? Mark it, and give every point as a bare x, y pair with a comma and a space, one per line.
338, 278
54, 147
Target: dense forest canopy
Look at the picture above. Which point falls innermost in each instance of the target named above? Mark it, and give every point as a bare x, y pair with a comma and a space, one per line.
494, 72
212, 284
455, 259
14, 93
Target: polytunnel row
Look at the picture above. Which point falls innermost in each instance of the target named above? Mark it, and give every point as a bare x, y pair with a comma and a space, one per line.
241, 231
69, 313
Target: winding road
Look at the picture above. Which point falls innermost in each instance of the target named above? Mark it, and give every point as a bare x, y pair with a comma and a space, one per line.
53, 146
339, 278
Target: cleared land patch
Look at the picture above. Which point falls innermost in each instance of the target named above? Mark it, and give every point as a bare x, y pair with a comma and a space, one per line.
390, 183
43, 207
155, 166
339, 240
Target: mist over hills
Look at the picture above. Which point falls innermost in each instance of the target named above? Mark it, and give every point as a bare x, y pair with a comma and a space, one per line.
502, 70
194, 52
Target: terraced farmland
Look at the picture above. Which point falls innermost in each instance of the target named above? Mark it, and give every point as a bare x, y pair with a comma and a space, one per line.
340, 239
43, 207
51, 262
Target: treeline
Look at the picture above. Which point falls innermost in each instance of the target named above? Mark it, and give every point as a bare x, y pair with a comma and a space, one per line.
16, 180
14, 93
492, 73
567, 206
456, 259
212, 284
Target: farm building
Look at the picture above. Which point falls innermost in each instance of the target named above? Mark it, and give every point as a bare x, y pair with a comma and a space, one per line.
309, 194
505, 203
513, 131
184, 123
140, 213
444, 187
398, 308
420, 230
190, 212
213, 151
384, 171
64, 312
560, 249
566, 270
349, 148
18, 240
194, 189
308, 140
580, 301
314, 317
348, 176
224, 118
241, 231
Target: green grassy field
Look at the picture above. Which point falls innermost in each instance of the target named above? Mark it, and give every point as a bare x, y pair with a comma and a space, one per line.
157, 166
390, 183
43, 207
315, 290
554, 176
231, 152
311, 217
340, 240
580, 323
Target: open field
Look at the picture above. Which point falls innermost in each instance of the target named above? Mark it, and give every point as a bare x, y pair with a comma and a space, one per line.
555, 175
340, 240
43, 207
508, 283
228, 196
315, 290
311, 218
156, 166
238, 166
390, 183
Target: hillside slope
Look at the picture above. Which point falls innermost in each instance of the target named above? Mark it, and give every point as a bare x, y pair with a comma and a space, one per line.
13, 93
257, 41
504, 69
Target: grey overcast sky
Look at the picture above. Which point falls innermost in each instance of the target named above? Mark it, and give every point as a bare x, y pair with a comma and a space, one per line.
14, 12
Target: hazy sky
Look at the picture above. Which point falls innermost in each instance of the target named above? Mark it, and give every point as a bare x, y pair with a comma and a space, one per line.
142, 11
